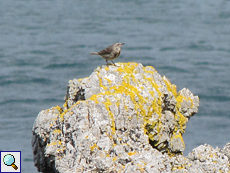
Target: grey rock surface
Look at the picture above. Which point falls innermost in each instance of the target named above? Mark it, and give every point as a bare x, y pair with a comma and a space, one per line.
124, 118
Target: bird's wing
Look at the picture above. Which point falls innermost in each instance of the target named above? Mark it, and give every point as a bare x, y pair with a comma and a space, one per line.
107, 50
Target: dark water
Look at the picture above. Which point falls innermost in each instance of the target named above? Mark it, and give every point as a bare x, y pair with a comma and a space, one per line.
46, 43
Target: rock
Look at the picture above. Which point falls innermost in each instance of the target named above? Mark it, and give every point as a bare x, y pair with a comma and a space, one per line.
226, 150
124, 118
209, 159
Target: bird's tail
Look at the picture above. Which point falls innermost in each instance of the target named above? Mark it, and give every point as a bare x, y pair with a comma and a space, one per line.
94, 53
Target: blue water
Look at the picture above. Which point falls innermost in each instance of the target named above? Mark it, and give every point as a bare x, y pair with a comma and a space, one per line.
46, 43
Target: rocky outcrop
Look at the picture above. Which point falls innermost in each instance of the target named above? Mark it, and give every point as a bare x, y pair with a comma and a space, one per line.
124, 118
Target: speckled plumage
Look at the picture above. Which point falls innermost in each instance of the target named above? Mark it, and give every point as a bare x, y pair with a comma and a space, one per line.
110, 53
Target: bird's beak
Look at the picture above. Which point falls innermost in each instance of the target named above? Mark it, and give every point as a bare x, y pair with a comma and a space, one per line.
122, 43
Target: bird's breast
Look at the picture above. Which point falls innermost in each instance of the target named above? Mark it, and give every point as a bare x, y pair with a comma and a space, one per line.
117, 54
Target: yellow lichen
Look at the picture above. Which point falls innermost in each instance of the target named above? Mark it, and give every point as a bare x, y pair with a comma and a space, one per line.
107, 105
57, 131
107, 68
61, 150
170, 87
178, 135
110, 82
100, 82
127, 68
94, 98
58, 108
65, 104
55, 143
114, 159
181, 98
93, 147
175, 167
131, 153
62, 115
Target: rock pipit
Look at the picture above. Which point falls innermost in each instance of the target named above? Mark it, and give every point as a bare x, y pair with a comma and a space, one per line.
110, 53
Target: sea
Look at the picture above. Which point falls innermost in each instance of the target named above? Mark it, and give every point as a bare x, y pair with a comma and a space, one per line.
46, 43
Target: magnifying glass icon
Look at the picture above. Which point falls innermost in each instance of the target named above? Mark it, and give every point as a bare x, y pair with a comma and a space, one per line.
9, 160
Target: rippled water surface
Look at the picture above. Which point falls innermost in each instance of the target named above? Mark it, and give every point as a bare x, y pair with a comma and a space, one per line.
46, 43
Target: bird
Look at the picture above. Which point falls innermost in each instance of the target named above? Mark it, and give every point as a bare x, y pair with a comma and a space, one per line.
110, 53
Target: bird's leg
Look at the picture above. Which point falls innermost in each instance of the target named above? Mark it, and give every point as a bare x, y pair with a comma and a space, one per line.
113, 63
